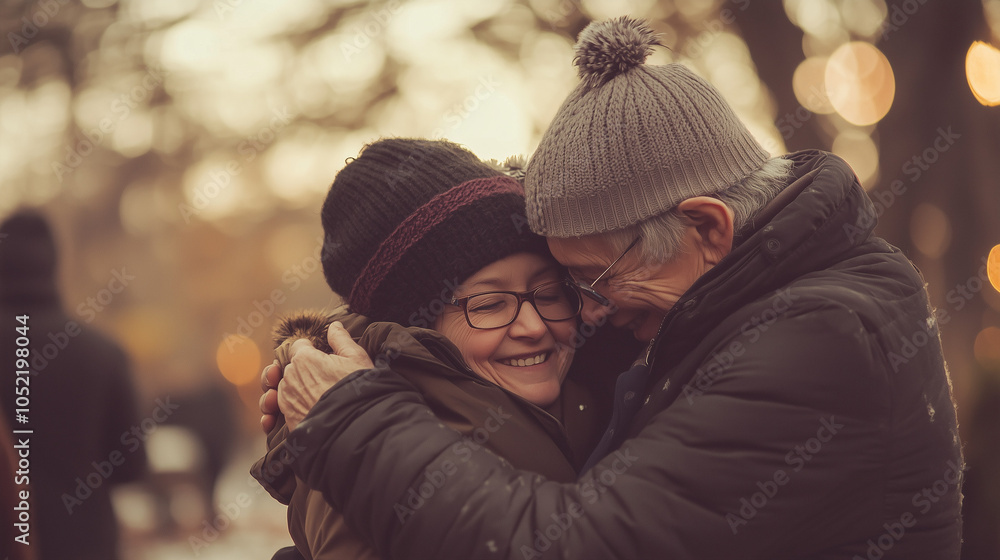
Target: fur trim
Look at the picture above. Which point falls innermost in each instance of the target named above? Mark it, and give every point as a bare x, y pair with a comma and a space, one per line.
310, 324
513, 166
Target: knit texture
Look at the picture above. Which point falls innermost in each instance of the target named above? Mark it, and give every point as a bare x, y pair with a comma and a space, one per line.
409, 220
632, 140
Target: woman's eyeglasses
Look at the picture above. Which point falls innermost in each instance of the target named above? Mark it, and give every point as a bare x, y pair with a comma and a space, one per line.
554, 301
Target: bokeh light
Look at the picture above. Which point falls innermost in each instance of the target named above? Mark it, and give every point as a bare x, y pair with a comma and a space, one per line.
863, 17
603, 9
816, 17
860, 83
147, 331
238, 359
993, 267
987, 348
809, 84
982, 69
930, 230
859, 150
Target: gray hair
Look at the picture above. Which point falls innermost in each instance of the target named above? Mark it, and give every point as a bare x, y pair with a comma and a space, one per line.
662, 234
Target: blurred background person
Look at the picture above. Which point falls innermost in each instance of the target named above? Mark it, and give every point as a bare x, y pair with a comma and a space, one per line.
82, 405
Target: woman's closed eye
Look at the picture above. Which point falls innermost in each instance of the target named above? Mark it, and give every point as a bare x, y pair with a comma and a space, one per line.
487, 304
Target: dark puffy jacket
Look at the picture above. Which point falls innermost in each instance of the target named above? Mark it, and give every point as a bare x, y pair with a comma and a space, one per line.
798, 407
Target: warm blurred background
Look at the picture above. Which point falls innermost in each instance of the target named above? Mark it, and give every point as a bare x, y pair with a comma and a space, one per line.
188, 145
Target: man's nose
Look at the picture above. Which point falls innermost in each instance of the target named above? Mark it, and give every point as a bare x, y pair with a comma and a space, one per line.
594, 313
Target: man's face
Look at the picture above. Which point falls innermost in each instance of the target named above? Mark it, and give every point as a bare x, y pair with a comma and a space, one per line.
641, 293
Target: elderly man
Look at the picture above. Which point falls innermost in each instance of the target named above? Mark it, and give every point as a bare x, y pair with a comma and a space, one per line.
793, 400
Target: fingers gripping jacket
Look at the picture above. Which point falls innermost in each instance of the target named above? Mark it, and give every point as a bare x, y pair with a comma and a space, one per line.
308, 324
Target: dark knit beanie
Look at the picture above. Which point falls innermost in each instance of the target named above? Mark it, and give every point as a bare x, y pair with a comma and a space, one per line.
408, 220
632, 140
27, 258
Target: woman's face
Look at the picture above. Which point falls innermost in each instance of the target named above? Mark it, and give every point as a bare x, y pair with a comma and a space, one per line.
495, 354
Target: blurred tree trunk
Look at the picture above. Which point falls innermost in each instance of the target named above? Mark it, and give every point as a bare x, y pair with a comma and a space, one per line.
926, 47
927, 53
775, 44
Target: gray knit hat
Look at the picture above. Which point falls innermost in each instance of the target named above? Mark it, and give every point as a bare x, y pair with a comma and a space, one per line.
632, 140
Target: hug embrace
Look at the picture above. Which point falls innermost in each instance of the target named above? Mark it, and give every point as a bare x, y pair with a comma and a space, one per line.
475, 396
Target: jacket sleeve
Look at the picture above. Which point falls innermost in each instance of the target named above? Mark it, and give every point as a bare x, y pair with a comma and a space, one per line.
780, 442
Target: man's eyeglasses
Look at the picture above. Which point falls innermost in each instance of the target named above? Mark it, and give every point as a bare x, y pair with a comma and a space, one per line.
588, 288
554, 301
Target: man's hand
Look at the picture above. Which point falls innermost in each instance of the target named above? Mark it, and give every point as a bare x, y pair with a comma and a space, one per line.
269, 379
309, 374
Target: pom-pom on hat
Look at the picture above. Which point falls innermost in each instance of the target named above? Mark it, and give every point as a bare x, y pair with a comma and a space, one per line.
409, 219
632, 140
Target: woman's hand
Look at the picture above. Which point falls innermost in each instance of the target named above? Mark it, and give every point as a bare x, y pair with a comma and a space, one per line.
309, 374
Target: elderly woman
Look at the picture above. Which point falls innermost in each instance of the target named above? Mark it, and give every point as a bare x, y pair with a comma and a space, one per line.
422, 233
793, 402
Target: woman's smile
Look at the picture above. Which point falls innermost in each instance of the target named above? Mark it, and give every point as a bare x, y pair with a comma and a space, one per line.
527, 360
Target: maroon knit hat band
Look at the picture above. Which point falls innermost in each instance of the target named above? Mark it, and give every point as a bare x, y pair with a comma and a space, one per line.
424, 219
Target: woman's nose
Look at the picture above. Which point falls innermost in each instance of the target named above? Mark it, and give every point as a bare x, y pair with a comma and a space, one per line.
528, 323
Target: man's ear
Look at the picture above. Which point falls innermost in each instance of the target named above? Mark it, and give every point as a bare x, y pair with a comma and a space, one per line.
713, 223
